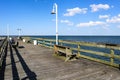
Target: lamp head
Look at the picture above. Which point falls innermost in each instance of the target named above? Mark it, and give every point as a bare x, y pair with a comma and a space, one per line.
53, 11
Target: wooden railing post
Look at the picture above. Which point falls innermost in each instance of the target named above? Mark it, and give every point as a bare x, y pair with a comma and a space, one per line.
61, 43
78, 54
112, 57
51, 44
43, 43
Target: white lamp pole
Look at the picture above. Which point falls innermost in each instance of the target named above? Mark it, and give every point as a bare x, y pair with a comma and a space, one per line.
19, 32
56, 12
8, 31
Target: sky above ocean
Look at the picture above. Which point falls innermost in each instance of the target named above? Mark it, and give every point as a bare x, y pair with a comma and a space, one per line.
75, 17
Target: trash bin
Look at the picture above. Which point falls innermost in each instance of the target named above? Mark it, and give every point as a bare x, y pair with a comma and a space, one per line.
23, 40
35, 42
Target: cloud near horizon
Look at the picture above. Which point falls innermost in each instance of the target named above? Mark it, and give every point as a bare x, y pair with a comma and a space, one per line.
76, 10
95, 8
91, 23
115, 19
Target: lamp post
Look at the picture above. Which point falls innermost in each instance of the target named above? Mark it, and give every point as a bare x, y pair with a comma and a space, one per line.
54, 11
8, 32
19, 32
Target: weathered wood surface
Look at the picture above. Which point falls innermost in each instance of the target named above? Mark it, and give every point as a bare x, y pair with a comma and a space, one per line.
29, 62
64, 50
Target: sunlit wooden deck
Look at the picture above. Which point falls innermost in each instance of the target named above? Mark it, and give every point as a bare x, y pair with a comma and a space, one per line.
29, 62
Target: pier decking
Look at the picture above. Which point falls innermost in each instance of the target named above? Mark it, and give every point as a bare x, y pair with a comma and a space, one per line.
29, 62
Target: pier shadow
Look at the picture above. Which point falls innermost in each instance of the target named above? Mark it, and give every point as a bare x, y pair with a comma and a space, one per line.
21, 47
30, 75
15, 73
3, 67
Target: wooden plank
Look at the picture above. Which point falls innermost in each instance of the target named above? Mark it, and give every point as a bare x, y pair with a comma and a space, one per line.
99, 60
117, 56
94, 52
92, 44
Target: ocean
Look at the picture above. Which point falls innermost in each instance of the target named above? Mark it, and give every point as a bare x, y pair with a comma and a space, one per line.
97, 39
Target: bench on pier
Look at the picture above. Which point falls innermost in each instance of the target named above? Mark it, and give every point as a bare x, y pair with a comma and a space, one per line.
64, 51
29, 41
15, 44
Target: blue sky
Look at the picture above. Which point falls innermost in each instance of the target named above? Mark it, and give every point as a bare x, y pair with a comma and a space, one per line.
75, 17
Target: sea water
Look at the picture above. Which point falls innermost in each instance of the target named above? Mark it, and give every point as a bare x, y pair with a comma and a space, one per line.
98, 39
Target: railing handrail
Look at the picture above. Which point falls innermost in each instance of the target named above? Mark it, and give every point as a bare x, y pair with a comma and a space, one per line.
2, 50
91, 44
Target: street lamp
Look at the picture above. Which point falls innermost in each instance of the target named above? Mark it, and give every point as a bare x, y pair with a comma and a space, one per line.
8, 32
19, 32
54, 11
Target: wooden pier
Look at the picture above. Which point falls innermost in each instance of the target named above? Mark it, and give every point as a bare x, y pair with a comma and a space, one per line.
33, 62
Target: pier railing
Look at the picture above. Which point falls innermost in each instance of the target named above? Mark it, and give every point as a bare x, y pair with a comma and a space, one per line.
105, 53
2, 50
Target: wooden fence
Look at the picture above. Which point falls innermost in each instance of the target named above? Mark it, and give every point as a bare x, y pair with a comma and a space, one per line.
2, 50
105, 53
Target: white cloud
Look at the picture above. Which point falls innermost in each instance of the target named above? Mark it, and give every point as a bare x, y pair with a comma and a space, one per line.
74, 11
115, 19
103, 16
67, 22
91, 23
95, 8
